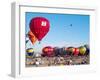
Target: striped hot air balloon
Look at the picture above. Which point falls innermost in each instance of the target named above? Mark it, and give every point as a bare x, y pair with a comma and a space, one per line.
29, 53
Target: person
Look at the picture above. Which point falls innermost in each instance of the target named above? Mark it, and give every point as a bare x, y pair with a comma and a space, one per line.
37, 63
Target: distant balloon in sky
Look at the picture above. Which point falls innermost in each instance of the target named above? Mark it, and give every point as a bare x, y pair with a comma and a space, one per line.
70, 24
39, 27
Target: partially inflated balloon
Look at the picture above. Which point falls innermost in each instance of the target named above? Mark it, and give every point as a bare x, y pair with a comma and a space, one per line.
56, 51
39, 27
62, 51
48, 51
70, 50
32, 37
87, 49
82, 50
75, 51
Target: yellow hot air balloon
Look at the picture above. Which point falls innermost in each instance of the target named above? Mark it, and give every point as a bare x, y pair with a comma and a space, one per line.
32, 37
82, 50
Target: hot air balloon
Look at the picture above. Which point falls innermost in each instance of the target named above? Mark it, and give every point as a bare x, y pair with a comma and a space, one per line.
63, 51
56, 51
47, 51
87, 49
82, 50
75, 51
39, 27
32, 37
70, 50
30, 52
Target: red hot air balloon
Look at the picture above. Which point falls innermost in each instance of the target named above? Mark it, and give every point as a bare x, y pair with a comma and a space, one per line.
39, 27
75, 51
47, 51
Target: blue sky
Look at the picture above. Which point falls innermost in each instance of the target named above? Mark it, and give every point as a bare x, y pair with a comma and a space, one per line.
61, 33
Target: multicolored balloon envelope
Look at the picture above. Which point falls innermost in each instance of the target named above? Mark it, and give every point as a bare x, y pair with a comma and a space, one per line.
32, 37
39, 27
70, 49
30, 52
